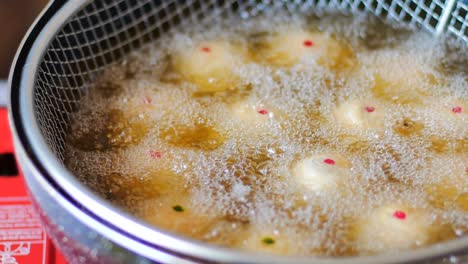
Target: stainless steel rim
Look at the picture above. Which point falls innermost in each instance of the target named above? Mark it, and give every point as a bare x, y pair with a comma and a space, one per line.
3, 93
42, 159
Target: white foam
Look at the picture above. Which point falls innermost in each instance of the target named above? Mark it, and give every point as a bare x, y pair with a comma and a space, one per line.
250, 174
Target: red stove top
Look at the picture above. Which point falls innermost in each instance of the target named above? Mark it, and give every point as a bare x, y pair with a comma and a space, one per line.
22, 238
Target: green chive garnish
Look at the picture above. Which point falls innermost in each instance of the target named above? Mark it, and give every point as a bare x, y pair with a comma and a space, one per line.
178, 208
268, 241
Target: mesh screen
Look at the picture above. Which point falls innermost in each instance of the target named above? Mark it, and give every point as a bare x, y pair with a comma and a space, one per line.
459, 21
105, 30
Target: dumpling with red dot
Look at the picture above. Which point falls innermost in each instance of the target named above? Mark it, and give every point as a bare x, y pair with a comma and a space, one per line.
321, 172
252, 113
209, 64
291, 46
449, 113
393, 227
362, 114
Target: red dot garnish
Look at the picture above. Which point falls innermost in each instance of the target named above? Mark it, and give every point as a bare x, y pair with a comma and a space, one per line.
369, 109
457, 109
147, 100
329, 161
155, 154
262, 111
205, 49
399, 215
308, 43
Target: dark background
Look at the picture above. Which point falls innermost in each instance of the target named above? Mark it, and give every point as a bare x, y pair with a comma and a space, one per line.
15, 18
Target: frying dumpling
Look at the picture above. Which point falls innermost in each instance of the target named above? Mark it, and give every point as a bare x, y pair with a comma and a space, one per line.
287, 49
393, 227
209, 65
254, 120
446, 122
360, 114
167, 205
252, 113
450, 112
272, 241
175, 214
321, 172
401, 79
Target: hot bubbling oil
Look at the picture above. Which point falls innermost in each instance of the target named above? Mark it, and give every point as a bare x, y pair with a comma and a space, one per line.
289, 136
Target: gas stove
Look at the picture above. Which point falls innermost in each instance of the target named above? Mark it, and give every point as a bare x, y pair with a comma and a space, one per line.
22, 237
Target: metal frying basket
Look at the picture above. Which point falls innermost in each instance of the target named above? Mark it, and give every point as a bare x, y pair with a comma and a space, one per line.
69, 46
